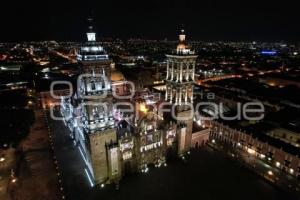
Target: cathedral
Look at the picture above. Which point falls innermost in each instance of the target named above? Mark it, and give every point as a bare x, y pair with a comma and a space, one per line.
112, 143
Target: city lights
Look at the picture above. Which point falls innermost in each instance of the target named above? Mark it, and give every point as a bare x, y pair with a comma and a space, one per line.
250, 151
135, 109
270, 173
143, 108
262, 156
14, 180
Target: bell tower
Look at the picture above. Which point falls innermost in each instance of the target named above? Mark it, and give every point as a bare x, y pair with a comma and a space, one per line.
97, 126
91, 35
179, 89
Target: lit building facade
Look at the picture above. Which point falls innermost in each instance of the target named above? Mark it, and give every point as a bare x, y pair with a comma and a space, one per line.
272, 151
110, 142
180, 73
89, 113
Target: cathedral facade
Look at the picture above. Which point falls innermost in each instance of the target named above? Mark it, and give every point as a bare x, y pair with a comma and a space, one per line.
113, 144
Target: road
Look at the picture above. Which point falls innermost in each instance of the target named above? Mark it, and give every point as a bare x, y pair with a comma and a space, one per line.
71, 58
36, 173
70, 162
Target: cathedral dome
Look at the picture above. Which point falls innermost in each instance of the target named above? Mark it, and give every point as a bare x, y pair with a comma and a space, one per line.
116, 76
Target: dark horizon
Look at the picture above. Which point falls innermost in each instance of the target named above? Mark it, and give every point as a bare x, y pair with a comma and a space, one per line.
204, 21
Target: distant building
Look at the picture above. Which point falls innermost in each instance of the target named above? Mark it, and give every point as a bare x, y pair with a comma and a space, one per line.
289, 136
279, 81
277, 153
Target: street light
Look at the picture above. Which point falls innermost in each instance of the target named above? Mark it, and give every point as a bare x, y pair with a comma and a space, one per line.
2, 159
270, 173
262, 156
251, 151
14, 180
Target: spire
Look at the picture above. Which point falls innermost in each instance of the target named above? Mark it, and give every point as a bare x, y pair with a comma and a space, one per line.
91, 35
182, 36
181, 45
90, 21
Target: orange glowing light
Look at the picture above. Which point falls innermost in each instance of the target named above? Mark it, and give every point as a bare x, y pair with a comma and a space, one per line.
143, 108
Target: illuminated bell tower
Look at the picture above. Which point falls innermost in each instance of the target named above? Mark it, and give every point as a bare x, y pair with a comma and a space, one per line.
91, 35
180, 73
179, 89
97, 122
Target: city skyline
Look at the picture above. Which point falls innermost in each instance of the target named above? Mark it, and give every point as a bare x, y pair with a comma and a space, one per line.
208, 21
149, 100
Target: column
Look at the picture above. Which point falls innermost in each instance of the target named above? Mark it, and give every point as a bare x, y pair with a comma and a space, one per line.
176, 100
166, 95
180, 95
186, 94
181, 65
172, 71
192, 95
193, 73
187, 72
177, 72
167, 70
171, 93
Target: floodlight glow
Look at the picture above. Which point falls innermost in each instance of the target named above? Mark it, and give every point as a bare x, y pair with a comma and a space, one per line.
90, 180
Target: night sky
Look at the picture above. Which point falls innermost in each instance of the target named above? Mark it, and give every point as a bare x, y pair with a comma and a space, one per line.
207, 20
